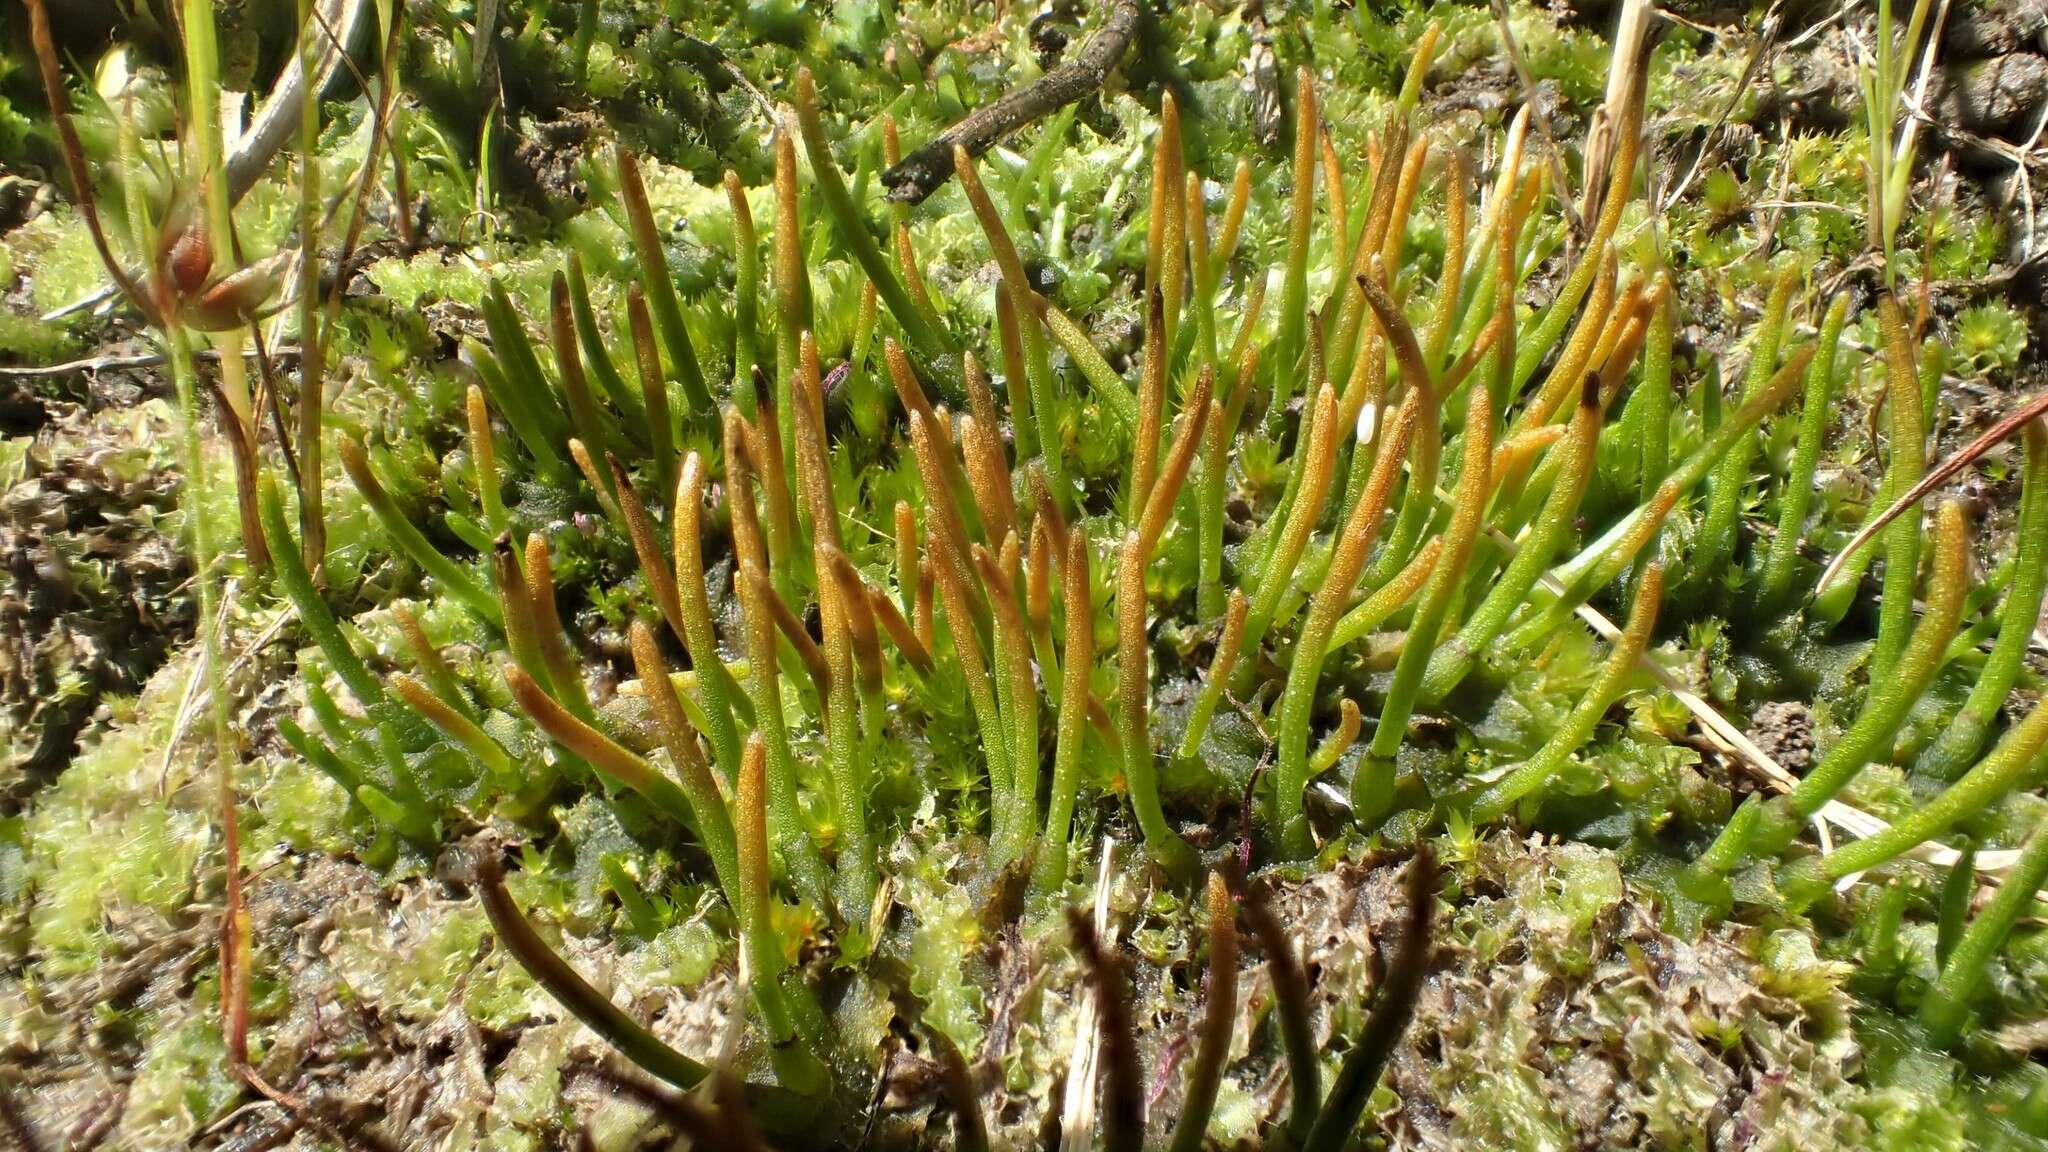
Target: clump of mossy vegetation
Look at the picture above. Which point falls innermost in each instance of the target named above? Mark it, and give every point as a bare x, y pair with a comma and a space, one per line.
707, 629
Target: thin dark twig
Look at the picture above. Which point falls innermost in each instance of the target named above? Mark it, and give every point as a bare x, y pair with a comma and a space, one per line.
571, 990
1393, 1007
1290, 1000
676, 1109
120, 363
74, 156
267, 374
14, 1121
1935, 478
387, 93
921, 173
1123, 1117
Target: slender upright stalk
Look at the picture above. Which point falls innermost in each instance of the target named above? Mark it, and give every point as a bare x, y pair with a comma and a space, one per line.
1908, 459
764, 683
311, 408
1352, 544
795, 1066
1219, 1012
1715, 547
1373, 783
715, 689
1959, 743
1216, 436
1947, 1006
1134, 688
845, 758
791, 282
1278, 574
1300, 221
563, 668
1509, 790
1814, 418
1888, 702
1619, 184
1018, 694
659, 287
1077, 665
746, 301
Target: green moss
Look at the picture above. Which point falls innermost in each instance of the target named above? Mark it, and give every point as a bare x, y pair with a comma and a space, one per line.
56, 255
526, 1093
29, 340
300, 809
181, 1084
105, 841
410, 965
944, 930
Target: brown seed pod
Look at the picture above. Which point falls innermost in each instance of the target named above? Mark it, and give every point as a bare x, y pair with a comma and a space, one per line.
190, 260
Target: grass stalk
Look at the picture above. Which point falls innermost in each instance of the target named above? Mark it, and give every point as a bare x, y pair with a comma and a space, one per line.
597, 358
1019, 695
1908, 460
583, 411
1388, 598
1109, 388
453, 724
1620, 181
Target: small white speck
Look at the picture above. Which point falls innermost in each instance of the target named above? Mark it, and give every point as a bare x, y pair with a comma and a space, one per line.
1368, 422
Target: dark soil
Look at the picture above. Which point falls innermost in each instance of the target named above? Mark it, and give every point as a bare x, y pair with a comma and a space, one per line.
95, 597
